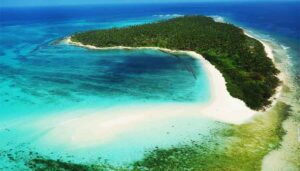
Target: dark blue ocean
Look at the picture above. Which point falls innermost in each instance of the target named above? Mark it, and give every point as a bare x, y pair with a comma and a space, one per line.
41, 77
276, 19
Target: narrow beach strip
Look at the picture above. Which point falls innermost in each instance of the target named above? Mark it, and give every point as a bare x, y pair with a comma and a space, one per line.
221, 107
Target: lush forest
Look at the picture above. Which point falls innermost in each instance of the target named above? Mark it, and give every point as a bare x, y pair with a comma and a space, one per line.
249, 73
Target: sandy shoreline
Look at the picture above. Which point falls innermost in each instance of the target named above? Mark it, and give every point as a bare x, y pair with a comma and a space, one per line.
222, 106
96, 127
287, 156
280, 76
269, 52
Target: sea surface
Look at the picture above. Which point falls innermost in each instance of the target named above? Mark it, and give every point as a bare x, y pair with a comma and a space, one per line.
43, 77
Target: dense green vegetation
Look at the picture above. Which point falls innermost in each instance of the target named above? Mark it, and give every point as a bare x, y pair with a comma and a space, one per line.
249, 73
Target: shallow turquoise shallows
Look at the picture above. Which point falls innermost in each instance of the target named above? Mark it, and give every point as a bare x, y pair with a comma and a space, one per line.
45, 83
42, 77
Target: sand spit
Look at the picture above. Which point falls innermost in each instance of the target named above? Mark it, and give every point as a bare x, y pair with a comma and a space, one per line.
222, 106
96, 127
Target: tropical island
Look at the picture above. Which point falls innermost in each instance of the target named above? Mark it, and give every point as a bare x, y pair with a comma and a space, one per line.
250, 75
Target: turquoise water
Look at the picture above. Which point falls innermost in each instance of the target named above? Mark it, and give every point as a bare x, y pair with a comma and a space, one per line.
44, 78
44, 82
39, 70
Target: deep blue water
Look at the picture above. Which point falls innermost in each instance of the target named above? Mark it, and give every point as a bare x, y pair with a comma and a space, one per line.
277, 19
40, 74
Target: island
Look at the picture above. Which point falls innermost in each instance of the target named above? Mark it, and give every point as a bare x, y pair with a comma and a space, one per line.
250, 75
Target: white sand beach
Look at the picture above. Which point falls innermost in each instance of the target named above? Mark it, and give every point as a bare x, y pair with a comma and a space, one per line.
222, 106
96, 127
280, 76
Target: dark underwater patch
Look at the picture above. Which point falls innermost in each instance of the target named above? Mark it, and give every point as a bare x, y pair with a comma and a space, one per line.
52, 79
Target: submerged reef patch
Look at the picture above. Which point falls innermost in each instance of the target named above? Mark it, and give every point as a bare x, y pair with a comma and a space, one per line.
237, 147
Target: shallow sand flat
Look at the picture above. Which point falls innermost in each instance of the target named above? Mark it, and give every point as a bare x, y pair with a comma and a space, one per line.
222, 106
286, 157
123, 131
95, 127
105, 132
100, 127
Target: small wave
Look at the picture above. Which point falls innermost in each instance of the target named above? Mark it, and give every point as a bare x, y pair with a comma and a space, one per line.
289, 57
285, 47
218, 18
168, 15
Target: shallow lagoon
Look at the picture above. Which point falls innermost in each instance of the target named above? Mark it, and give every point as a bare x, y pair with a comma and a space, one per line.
46, 83
30, 39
